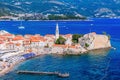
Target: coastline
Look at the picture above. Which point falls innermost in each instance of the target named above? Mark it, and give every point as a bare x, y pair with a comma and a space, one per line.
8, 69
88, 19
5, 71
49, 20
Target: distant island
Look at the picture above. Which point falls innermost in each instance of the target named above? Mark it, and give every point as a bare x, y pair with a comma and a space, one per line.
17, 48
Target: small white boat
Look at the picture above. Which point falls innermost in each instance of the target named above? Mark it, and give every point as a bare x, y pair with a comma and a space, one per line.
21, 26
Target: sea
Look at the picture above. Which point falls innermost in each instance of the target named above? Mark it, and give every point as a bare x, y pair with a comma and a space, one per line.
95, 65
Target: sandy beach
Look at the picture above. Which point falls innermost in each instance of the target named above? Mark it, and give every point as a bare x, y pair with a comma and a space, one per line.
8, 69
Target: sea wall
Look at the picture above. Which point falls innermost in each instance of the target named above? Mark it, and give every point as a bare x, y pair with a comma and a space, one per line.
94, 41
101, 41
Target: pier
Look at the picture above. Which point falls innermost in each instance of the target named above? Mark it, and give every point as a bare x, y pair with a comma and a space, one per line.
44, 73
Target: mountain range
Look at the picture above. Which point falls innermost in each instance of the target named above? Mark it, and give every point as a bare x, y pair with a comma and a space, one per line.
87, 8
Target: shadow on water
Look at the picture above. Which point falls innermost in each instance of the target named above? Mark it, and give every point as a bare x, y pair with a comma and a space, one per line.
100, 52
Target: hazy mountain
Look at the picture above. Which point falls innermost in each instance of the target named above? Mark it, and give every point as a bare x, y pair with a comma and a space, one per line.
88, 8
8, 9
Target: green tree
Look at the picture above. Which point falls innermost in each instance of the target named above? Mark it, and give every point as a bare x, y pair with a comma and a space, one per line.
86, 45
60, 40
109, 36
75, 37
65, 17
104, 33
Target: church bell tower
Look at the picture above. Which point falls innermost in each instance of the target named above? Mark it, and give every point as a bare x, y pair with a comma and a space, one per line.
57, 32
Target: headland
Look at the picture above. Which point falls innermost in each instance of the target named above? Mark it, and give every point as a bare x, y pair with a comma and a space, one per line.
17, 48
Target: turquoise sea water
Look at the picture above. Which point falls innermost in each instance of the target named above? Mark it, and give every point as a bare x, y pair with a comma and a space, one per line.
95, 65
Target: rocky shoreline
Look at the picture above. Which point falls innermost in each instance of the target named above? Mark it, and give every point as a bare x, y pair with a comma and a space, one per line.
8, 69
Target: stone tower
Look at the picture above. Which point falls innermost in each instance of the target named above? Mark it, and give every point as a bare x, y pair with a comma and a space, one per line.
57, 32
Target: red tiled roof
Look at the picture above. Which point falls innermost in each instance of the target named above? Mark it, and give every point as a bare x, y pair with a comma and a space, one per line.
1, 42
3, 38
72, 46
18, 38
37, 39
58, 45
34, 39
17, 44
26, 40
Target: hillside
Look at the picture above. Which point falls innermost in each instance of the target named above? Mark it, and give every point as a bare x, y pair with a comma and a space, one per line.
8, 9
88, 8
